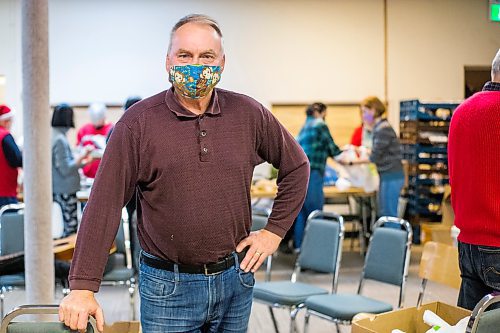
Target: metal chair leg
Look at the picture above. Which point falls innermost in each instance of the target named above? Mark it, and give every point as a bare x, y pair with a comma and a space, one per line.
293, 315
131, 292
337, 326
274, 320
2, 299
306, 322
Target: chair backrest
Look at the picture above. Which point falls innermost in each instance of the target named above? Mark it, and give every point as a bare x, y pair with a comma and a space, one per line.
261, 211
388, 255
8, 326
11, 229
439, 263
120, 239
485, 322
321, 249
258, 222
57, 220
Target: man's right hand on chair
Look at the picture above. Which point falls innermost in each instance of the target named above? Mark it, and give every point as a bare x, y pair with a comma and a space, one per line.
76, 308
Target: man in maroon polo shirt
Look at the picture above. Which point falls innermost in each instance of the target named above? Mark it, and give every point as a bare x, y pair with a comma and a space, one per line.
190, 152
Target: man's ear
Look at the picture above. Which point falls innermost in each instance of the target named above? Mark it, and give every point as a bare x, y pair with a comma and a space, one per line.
223, 63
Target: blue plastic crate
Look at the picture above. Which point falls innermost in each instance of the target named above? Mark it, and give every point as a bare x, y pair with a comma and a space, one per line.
413, 153
414, 110
422, 210
413, 180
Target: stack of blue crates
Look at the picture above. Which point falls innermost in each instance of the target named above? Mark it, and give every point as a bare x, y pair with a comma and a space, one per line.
427, 159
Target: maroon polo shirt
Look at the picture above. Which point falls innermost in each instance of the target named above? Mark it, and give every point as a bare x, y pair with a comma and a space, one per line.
193, 175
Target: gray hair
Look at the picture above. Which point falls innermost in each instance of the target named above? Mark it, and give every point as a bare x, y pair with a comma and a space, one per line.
495, 66
195, 18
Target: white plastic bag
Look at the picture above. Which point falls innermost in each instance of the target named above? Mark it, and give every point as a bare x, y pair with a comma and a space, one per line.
359, 175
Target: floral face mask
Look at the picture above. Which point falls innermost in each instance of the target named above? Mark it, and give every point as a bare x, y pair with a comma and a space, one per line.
194, 81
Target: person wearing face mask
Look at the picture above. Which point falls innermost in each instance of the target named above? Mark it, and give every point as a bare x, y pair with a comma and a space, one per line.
362, 135
386, 154
94, 135
318, 145
65, 176
10, 159
190, 152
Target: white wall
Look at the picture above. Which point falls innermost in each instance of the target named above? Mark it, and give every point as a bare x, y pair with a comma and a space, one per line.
278, 51
10, 58
431, 41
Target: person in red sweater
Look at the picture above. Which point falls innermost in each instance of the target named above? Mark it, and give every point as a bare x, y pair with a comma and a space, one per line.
10, 159
94, 134
362, 135
474, 168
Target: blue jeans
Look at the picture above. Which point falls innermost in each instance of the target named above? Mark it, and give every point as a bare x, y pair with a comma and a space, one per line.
181, 302
388, 195
314, 200
479, 267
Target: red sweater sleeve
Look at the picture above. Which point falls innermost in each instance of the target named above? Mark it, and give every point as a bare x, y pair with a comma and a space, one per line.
357, 136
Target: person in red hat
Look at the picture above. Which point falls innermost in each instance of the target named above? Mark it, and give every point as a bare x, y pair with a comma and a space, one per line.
10, 159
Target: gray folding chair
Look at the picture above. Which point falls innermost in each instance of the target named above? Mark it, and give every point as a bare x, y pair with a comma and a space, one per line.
482, 321
11, 241
387, 261
119, 270
321, 251
10, 326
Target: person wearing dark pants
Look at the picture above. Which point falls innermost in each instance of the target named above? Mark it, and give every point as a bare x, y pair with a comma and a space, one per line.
473, 163
318, 144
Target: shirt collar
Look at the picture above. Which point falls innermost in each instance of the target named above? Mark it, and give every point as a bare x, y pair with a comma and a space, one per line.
180, 111
491, 86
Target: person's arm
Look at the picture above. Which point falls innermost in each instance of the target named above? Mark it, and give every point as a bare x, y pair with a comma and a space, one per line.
112, 189
326, 138
63, 159
276, 146
357, 136
11, 151
381, 140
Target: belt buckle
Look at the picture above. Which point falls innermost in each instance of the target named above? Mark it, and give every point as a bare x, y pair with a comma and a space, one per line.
205, 269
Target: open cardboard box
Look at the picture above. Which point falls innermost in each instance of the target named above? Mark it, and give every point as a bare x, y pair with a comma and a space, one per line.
409, 320
123, 327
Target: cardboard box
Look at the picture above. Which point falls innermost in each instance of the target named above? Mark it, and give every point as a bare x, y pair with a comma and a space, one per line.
123, 327
409, 320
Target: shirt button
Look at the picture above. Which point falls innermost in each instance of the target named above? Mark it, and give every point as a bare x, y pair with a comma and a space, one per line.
205, 150
203, 133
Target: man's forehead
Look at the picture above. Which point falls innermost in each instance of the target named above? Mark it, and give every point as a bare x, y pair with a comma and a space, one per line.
190, 31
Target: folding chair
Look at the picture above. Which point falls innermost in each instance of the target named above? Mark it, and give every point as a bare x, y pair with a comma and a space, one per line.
387, 261
439, 263
9, 326
482, 321
321, 251
11, 241
122, 274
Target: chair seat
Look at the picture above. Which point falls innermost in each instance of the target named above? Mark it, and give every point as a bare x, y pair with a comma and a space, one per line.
50, 327
345, 306
119, 274
285, 292
12, 280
